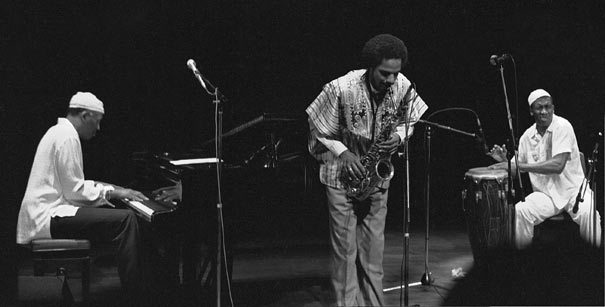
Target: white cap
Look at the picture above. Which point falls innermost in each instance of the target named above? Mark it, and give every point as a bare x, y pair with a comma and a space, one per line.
88, 101
533, 96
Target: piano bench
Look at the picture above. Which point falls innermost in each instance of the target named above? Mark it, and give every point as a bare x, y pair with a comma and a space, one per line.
57, 255
558, 230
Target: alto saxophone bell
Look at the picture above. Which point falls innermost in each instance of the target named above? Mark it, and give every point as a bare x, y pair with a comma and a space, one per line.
384, 169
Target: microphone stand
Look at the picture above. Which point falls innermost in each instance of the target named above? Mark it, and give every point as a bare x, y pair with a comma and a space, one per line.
514, 146
406, 212
473, 135
218, 111
218, 142
590, 185
593, 183
427, 278
590, 181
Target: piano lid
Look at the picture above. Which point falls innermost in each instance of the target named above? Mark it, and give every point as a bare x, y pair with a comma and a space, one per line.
265, 123
268, 136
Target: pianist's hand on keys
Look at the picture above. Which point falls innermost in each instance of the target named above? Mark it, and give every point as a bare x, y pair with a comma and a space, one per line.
121, 193
169, 194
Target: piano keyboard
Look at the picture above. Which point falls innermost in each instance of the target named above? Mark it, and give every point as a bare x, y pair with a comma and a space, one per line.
138, 206
148, 209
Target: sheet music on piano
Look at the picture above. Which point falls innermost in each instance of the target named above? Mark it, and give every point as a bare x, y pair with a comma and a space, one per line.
194, 161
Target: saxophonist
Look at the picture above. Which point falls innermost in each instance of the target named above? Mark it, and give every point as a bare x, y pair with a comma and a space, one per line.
346, 121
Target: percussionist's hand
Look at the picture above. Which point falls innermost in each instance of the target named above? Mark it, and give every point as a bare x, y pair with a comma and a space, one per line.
390, 145
498, 153
499, 165
169, 194
504, 166
128, 194
351, 165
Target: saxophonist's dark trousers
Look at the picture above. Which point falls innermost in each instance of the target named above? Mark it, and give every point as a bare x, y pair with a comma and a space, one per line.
357, 239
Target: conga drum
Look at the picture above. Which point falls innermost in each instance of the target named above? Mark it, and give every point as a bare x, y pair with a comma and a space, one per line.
489, 218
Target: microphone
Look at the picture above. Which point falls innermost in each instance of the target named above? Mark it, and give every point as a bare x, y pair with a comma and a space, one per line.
495, 60
481, 137
198, 75
579, 199
205, 82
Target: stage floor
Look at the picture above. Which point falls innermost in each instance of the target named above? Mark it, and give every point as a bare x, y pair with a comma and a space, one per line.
294, 271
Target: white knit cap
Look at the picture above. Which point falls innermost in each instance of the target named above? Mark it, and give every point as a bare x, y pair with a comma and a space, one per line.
88, 101
533, 96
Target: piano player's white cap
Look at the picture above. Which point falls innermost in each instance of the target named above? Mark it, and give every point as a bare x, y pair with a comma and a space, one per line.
539, 93
88, 101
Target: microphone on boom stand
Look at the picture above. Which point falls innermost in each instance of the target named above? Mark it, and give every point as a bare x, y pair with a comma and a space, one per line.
206, 84
495, 60
481, 138
587, 178
219, 98
499, 61
579, 198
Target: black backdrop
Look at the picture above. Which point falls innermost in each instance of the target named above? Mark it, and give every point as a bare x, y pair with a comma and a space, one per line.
274, 56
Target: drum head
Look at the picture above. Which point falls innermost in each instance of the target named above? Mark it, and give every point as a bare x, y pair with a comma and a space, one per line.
480, 173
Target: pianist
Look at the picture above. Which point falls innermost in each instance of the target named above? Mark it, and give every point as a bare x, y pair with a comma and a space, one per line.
60, 203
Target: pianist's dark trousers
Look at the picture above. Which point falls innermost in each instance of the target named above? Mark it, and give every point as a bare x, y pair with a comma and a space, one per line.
104, 225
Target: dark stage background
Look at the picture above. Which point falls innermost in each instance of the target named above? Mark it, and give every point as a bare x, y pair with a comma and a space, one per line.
274, 56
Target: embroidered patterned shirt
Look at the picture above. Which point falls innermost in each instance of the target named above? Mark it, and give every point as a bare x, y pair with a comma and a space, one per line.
342, 117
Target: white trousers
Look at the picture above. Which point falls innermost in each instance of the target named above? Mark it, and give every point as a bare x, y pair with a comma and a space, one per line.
357, 238
537, 207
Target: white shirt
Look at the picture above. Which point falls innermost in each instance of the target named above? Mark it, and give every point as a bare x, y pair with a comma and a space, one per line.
56, 185
558, 138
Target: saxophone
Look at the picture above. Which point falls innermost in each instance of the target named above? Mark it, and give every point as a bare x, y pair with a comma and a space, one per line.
378, 165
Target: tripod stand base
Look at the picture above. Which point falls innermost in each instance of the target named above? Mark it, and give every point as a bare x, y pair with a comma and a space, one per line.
427, 279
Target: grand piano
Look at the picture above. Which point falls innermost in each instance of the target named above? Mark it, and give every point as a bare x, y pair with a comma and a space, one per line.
267, 182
